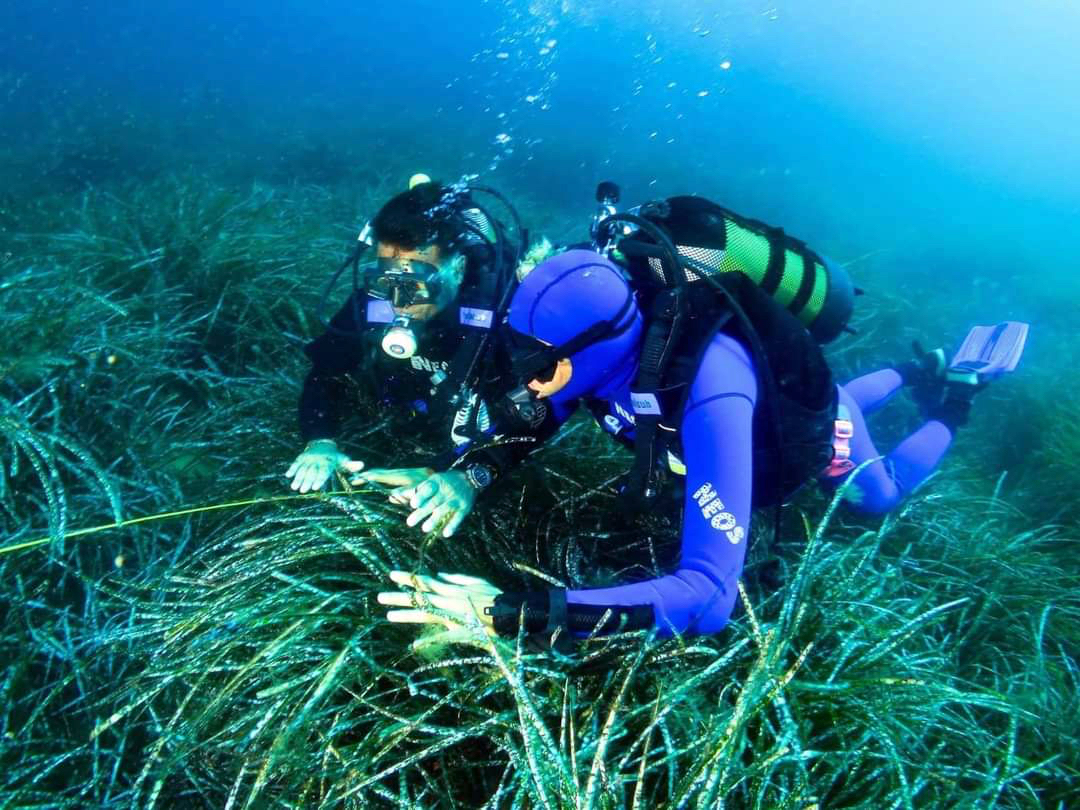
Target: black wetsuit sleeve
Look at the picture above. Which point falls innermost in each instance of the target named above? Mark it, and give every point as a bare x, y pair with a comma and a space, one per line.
508, 451
334, 355
505, 452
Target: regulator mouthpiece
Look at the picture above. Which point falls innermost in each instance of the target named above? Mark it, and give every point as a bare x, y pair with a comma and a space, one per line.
399, 340
523, 408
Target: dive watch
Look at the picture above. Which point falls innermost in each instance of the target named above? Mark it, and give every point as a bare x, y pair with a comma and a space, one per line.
479, 476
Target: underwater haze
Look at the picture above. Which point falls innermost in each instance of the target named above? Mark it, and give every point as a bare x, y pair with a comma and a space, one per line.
178, 180
872, 122
879, 117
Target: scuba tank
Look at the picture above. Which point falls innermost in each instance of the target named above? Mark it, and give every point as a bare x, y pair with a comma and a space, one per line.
712, 240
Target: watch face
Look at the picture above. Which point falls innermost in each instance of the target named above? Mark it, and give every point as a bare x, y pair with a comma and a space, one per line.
479, 475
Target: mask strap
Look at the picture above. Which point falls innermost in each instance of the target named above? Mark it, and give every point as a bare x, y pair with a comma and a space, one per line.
601, 330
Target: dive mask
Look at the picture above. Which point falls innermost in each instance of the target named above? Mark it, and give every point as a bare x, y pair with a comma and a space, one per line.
534, 359
530, 357
403, 282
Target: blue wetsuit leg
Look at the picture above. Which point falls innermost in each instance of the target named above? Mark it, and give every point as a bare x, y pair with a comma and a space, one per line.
717, 432
879, 487
873, 390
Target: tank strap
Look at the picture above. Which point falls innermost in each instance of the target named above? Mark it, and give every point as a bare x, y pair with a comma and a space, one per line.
774, 270
451, 390
806, 286
478, 311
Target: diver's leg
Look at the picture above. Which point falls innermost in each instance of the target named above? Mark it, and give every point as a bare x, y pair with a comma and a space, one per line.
919, 454
873, 390
924, 375
882, 484
873, 489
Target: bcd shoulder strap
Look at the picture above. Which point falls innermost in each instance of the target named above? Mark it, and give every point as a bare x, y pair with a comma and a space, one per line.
479, 306
669, 312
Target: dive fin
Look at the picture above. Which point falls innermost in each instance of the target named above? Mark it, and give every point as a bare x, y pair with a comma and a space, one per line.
988, 352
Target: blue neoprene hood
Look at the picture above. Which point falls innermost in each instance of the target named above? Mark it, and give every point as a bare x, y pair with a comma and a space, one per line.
564, 296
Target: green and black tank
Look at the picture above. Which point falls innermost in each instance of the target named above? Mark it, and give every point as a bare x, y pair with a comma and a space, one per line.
712, 241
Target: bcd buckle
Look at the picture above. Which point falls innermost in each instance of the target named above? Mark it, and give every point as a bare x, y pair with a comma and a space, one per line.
841, 463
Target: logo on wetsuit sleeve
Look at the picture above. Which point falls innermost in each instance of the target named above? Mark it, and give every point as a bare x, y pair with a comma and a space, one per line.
712, 509
625, 414
423, 364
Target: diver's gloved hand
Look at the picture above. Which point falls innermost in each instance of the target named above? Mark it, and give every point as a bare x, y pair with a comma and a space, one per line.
455, 601
433, 497
320, 459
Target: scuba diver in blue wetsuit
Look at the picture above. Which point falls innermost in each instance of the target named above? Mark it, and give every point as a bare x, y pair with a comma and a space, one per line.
721, 380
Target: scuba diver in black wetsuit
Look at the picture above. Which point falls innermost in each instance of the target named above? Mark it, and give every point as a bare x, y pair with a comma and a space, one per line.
416, 330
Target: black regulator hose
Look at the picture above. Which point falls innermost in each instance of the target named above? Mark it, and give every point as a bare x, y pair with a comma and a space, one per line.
662, 239
523, 233
352, 260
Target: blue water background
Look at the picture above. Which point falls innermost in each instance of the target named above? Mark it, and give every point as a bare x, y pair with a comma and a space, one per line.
938, 137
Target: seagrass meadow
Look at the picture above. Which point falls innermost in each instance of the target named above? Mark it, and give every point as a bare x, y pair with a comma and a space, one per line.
179, 629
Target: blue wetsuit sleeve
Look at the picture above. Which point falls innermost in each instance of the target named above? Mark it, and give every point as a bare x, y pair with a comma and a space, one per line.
717, 432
